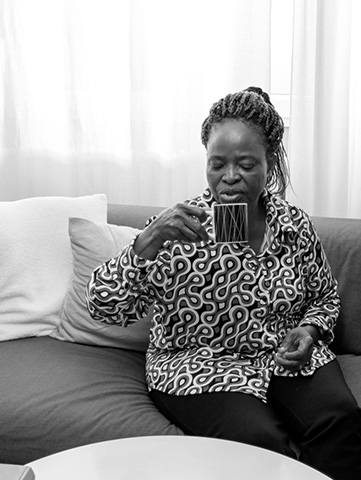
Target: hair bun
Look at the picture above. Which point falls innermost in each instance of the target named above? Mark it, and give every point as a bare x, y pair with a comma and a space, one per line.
260, 92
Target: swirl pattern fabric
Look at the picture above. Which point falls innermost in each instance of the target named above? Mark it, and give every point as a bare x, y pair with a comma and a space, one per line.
221, 310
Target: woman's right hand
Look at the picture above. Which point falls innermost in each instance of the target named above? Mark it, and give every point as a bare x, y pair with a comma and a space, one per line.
181, 222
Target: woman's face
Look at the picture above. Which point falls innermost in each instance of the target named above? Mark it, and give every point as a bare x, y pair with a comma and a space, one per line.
237, 165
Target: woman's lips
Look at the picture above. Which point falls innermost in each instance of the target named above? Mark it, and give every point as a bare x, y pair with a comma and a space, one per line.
229, 196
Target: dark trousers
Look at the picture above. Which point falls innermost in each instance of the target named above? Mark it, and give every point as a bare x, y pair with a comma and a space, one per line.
318, 412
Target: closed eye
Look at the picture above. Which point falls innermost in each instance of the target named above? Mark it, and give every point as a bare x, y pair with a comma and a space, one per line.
248, 166
216, 165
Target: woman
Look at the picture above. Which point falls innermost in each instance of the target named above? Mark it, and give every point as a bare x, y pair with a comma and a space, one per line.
240, 331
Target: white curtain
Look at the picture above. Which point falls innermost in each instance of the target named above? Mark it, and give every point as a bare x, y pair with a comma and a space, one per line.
109, 95
325, 119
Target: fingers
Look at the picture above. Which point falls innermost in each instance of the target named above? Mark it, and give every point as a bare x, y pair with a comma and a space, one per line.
296, 350
182, 222
299, 352
291, 361
192, 218
289, 343
196, 231
198, 212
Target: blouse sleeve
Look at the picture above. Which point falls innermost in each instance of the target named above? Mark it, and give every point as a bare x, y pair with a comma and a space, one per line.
323, 301
119, 291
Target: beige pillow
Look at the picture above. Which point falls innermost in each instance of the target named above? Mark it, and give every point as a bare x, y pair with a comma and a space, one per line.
92, 244
36, 261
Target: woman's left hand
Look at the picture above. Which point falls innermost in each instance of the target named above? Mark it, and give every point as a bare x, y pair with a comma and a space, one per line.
296, 349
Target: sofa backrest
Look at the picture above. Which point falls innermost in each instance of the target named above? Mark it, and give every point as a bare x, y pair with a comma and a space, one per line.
131, 215
341, 239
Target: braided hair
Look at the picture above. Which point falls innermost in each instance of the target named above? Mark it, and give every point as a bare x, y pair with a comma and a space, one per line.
254, 107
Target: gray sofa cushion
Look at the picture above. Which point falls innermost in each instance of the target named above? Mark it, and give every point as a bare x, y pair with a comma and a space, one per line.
341, 239
57, 395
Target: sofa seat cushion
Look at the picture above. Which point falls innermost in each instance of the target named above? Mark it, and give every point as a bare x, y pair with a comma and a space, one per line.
351, 368
58, 395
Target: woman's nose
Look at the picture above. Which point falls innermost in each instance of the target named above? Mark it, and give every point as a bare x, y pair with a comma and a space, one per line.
232, 175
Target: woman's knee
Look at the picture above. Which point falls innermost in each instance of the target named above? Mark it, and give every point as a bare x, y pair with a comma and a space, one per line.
268, 435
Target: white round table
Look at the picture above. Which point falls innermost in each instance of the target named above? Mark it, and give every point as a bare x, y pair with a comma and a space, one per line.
170, 458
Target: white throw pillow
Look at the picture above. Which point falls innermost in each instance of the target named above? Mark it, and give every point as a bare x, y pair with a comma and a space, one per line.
36, 261
92, 244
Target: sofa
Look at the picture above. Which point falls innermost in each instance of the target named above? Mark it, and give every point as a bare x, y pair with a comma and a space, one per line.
65, 379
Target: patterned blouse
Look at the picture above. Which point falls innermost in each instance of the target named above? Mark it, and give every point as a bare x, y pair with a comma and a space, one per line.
220, 311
